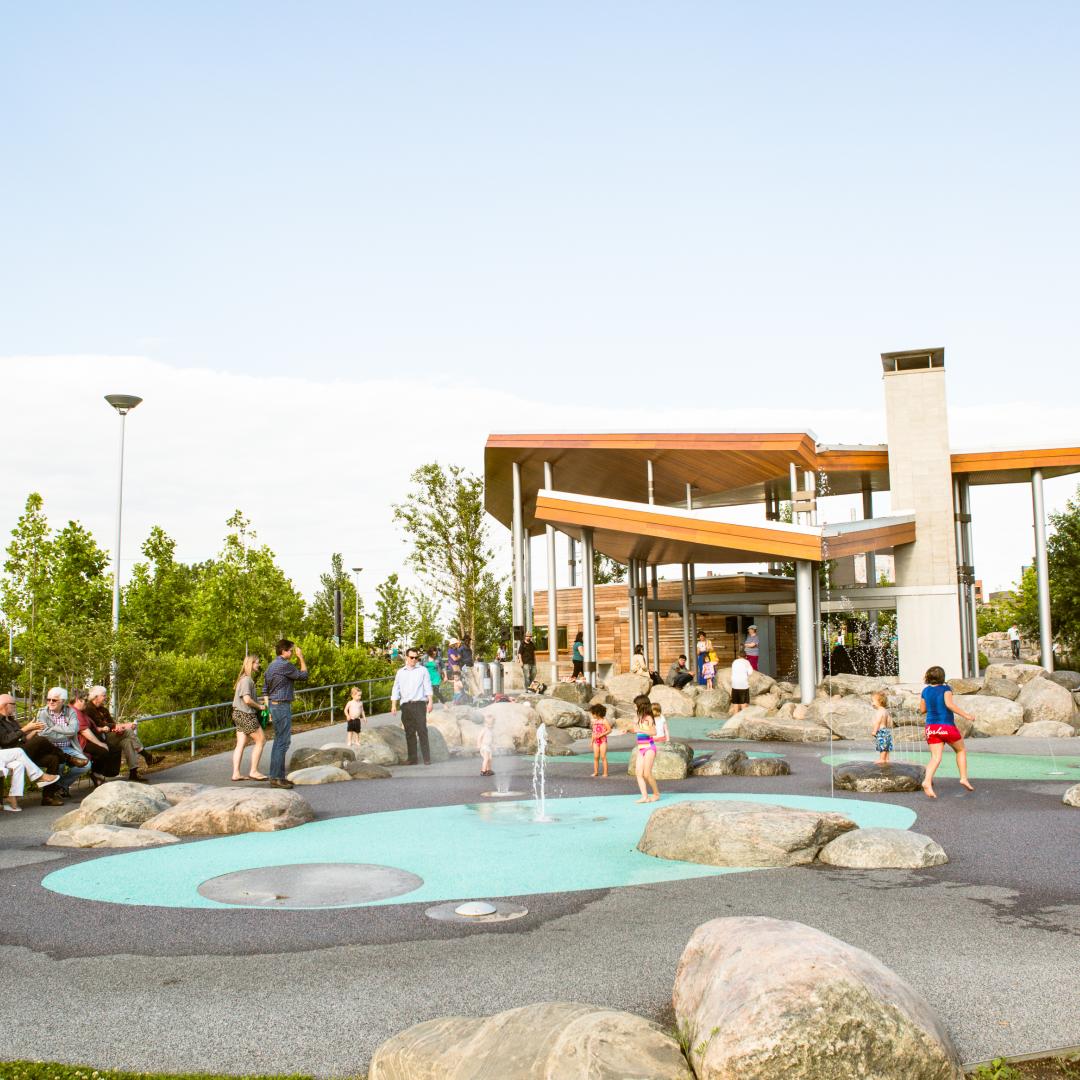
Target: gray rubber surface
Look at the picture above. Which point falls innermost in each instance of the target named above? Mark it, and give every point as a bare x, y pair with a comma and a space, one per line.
992, 939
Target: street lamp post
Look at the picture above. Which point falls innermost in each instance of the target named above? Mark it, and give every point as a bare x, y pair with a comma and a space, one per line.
123, 404
356, 585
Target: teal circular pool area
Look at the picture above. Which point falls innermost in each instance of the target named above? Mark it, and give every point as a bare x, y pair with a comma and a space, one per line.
454, 852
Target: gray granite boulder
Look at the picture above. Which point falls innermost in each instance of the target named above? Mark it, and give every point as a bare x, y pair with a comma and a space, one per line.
363, 770
227, 811
712, 703
109, 836
669, 764
319, 774
993, 715
738, 763
869, 776
115, 803
1072, 796
393, 735
1014, 672
310, 756
848, 717
766, 766
1068, 679
1042, 699
883, 849
544, 1041
1047, 729
580, 694
561, 714
1006, 688
378, 751
176, 792
732, 833
673, 702
627, 687
760, 999
853, 685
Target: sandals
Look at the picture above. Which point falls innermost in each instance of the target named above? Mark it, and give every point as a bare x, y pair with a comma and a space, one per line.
238, 779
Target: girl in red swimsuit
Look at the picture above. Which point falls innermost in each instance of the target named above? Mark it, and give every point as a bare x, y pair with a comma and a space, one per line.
600, 731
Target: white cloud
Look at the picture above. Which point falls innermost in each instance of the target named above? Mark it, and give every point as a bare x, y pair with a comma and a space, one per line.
317, 465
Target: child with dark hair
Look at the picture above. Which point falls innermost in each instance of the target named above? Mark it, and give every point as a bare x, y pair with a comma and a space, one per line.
601, 729
938, 705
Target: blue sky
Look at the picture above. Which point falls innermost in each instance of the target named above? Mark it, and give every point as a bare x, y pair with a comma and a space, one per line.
614, 207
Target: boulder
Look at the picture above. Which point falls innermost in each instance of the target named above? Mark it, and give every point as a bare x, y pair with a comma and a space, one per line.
800, 712
766, 766
627, 687
561, 714
732, 728
852, 685
309, 756
376, 751
108, 836
1042, 699
673, 702
515, 726
669, 764
883, 849
993, 715
760, 683
1005, 688
560, 742
769, 729
966, 686
712, 703
907, 734
723, 764
869, 776
177, 792
575, 693
770, 702
1068, 679
115, 803
601, 697
226, 811
319, 774
448, 726
731, 833
1047, 729
393, 735
513, 677
544, 1041
759, 998
1072, 796
849, 717
362, 770
1014, 672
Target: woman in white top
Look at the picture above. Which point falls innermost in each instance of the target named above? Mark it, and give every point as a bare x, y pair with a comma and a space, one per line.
637, 661
741, 670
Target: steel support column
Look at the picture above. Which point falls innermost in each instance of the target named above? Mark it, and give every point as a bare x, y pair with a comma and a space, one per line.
631, 602
517, 529
656, 621
1042, 572
588, 606
526, 563
686, 614
643, 592
963, 594
969, 547
867, 513
553, 588
805, 632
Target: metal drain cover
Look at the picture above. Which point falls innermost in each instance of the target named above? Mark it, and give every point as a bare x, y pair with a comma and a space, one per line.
500, 912
310, 885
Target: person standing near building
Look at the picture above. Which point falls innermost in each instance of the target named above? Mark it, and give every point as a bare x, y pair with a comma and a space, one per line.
1014, 640
577, 655
751, 645
741, 671
279, 685
412, 689
527, 659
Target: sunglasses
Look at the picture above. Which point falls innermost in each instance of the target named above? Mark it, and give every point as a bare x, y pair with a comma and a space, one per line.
53, 700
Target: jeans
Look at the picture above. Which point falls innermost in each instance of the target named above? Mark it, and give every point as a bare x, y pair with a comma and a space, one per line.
281, 714
70, 773
414, 721
528, 673
682, 679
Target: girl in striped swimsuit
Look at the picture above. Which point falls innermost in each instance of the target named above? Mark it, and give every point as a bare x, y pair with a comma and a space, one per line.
646, 753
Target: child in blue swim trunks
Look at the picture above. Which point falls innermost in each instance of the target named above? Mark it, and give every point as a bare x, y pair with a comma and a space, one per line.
882, 727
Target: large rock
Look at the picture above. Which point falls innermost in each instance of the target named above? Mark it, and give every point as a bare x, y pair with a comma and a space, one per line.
848, 717
319, 774
226, 811
766, 766
673, 702
115, 803
1072, 796
577, 693
760, 683
560, 741
712, 703
1014, 672
1005, 688
377, 751
515, 726
732, 728
109, 836
1046, 729
307, 757
767, 729
545, 1041
849, 685
993, 715
883, 849
730, 833
627, 687
178, 792
669, 764
758, 999
770, 702
448, 726
1068, 679
737, 763
561, 714
513, 677
393, 735
1042, 699
869, 776
363, 770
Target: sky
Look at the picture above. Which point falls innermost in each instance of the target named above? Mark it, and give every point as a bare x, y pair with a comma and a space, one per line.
329, 242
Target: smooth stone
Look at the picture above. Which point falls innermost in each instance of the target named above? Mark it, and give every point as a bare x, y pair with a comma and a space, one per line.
766, 729
1072, 796
993, 715
177, 792
731, 833
627, 687
363, 770
673, 702
1014, 672
1005, 688
883, 849
737, 763
561, 714
847, 685
966, 686
849, 717
759, 999
515, 727
1047, 729
115, 803
309, 756
1042, 699
227, 811
715, 703
377, 751
580, 694
765, 767
109, 836
669, 764
319, 774
869, 776
1070, 680
393, 735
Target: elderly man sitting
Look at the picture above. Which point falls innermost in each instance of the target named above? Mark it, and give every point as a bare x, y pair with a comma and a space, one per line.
18, 766
122, 737
60, 726
26, 737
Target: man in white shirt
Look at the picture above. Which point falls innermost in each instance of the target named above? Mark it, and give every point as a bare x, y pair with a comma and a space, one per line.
412, 688
741, 670
1014, 640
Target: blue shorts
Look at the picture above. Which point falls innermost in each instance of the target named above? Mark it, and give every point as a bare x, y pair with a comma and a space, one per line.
884, 740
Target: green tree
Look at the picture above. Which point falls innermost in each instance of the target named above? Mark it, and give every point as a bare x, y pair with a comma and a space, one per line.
607, 571
1063, 557
426, 630
243, 600
320, 615
444, 520
156, 600
393, 620
494, 617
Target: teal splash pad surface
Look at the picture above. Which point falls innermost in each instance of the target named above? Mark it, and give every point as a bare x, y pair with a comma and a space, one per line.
471, 850
616, 756
982, 766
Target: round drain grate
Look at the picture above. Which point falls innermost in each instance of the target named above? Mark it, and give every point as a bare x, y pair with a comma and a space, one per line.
310, 885
501, 911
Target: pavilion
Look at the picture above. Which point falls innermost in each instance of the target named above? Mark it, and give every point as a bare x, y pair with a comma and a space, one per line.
660, 499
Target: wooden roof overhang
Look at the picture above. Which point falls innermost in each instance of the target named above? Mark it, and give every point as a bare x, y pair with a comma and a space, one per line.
983, 467
665, 535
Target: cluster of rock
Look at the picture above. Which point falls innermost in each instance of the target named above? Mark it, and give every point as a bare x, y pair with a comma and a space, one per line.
754, 997
124, 815
378, 748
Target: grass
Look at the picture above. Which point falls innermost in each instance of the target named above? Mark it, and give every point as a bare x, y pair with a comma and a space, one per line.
1050, 1068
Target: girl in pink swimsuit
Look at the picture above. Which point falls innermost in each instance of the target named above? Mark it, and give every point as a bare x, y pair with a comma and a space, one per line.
600, 731
646, 752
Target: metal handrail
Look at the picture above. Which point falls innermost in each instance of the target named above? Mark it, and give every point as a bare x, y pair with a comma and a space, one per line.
195, 736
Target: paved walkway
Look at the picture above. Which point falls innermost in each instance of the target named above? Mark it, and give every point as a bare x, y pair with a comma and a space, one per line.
992, 939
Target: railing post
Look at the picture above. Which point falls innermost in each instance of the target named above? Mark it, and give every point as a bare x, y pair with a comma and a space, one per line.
192, 732
331, 704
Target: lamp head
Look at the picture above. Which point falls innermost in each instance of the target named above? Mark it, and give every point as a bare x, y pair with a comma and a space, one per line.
357, 569
123, 403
